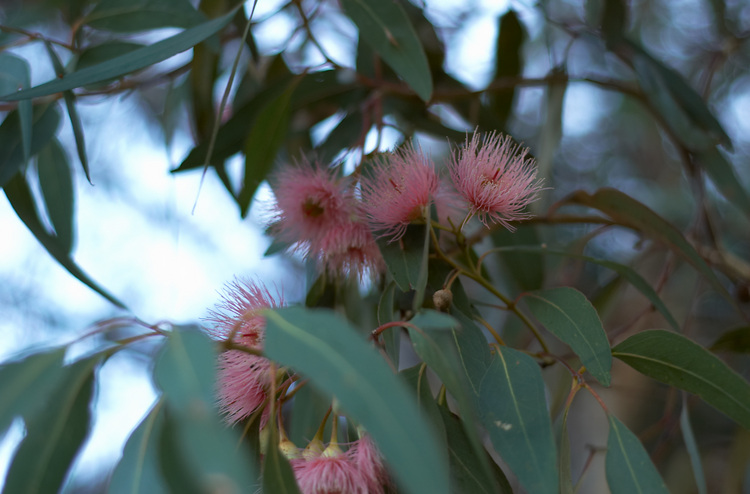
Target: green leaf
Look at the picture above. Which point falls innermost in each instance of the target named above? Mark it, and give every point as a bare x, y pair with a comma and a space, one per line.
56, 184
392, 337
675, 360
514, 413
614, 19
263, 142
628, 467
552, 129
40, 372
94, 55
46, 119
14, 75
325, 348
387, 29
125, 16
19, 195
405, 258
70, 104
568, 314
129, 62
736, 340
508, 63
723, 176
345, 135
628, 212
185, 371
55, 434
308, 409
692, 447
466, 474
431, 320
137, 471
564, 470
277, 476
526, 267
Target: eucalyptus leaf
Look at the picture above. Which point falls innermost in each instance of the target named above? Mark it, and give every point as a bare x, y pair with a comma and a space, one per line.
15, 74
56, 184
628, 466
124, 16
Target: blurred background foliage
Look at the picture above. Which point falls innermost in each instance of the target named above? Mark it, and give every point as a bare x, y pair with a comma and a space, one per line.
651, 98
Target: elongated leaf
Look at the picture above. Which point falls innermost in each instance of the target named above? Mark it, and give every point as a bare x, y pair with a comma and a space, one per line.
277, 476
552, 130
508, 63
46, 119
628, 466
514, 413
126, 16
70, 104
40, 372
736, 340
722, 174
19, 195
14, 75
56, 184
263, 142
324, 347
526, 267
692, 447
345, 135
564, 471
628, 212
405, 258
387, 29
129, 62
392, 337
94, 55
675, 360
568, 314
137, 471
55, 434
185, 372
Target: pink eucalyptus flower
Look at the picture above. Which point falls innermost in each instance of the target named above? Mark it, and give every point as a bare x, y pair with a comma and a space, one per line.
351, 249
369, 462
497, 180
243, 379
333, 472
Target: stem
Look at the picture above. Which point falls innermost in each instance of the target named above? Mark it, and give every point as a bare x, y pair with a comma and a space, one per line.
492, 331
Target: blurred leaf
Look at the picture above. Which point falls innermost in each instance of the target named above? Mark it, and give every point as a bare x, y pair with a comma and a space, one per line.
387, 29
176, 471
392, 337
326, 348
129, 62
552, 129
185, 371
345, 135
406, 257
95, 55
526, 267
202, 76
508, 63
263, 142
19, 195
56, 183
14, 75
614, 18
308, 409
277, 475
514, 413
70, 104
38, 371
137, 471
466, 475
568, 314
628, 466
675, 360
55, 434
692, 447
46, 119
723, 176
628, 212
416, 378
124, 16
564, 470
736, 340
431, 320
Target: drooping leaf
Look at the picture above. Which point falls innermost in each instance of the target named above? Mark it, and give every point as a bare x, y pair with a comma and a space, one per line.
568, 314
54, 434
14, 75
45, 121
263, 142
628, 466
736, 340
325, 348
514, 412
552, 130
137, 471
19, 195
129, 62
628, 212
277, 475
387, 29
125, 16
691, 445
508, 63
526, 267
406, 258
185, 372
70, 104
675, 360
38, 371
56, 184
723, 176
94, 55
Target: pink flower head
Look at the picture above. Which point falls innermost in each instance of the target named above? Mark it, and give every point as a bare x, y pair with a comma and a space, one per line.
369, 462
309, 202
401, 188
496, 179
243, 379
350, 248
333, 472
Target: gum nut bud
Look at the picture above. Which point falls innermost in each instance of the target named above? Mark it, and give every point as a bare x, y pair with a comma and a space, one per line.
313, 450
289, 450
442, 300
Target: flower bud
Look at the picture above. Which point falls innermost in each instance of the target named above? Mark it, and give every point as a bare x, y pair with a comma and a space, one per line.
289, 449
442, 300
